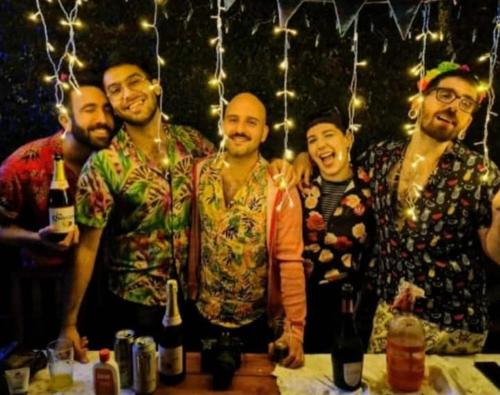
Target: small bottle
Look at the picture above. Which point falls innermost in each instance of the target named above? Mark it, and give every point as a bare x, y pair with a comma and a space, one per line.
61, 209
106, 380
171, 352
347, 352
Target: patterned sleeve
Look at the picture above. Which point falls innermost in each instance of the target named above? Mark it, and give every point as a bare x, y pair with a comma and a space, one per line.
94, 199
202, 146
488, 190
11, 196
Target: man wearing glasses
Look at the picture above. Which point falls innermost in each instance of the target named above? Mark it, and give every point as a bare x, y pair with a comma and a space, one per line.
437, 210
139, 189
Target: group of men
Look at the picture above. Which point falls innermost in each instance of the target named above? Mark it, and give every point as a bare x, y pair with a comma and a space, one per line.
223, 228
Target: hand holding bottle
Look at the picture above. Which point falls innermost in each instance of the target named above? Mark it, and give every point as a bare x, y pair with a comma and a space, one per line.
295, 357
71, 238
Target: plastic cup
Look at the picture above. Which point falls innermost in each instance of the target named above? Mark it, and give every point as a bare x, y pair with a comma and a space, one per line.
60, 355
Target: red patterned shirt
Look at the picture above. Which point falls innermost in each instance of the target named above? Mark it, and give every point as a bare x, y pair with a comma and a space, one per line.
25, 178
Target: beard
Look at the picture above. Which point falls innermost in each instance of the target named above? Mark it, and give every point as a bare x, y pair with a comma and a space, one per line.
438, 132
83, 135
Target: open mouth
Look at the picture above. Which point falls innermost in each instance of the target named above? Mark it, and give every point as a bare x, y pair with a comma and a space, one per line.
327, 158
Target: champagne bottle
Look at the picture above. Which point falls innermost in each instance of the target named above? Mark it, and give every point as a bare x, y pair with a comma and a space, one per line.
61, 209
172, 355
347, 353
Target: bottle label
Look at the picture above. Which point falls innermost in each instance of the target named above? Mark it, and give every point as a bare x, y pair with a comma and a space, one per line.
170, 360
352, 373
59, 184
62, 219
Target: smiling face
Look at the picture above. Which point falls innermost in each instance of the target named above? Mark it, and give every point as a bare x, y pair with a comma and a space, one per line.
91, 121
444, 121
329, 148
132, 95
244, 125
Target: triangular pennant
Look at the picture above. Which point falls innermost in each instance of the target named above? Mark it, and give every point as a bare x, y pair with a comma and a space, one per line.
346, 11
404, 12
286, 9
228, 4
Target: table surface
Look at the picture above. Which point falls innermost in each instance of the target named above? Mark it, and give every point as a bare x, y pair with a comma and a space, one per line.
253, 377
257, 375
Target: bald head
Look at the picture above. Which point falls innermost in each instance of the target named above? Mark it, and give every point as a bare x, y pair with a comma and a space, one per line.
250, 103
245, 125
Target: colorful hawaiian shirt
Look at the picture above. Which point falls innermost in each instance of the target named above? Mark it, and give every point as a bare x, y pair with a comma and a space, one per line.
25, 178
146, 210
335, 245
440, 251
233, 267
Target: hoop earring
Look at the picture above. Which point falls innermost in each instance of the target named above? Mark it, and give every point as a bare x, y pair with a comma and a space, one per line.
413, 114
461, 135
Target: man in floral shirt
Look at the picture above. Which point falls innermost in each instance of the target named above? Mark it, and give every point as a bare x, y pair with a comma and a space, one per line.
139, 189
25, 175
437, 209
246, 249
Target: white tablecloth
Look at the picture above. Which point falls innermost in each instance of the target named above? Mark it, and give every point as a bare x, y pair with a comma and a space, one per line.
444, 375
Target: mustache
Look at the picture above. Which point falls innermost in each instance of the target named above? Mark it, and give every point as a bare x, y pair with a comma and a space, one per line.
239, 134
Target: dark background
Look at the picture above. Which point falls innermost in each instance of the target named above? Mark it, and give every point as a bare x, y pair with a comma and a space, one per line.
320, 74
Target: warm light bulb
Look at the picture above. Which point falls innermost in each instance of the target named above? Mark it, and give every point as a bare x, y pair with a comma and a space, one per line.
289, 155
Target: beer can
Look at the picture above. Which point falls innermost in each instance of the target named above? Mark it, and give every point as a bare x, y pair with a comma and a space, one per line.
123, 356
144, 365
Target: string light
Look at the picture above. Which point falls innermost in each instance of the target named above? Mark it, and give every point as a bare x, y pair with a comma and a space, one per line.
70, 19
160, 145
415, 189
493, 55
217, 80
355, 101
287, 123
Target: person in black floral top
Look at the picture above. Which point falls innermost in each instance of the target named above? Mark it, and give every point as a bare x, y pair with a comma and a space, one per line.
336, 207
437, 210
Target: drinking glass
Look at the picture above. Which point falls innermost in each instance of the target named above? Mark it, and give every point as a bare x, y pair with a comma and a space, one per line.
60, 355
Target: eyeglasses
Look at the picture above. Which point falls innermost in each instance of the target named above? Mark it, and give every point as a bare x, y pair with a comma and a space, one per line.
465, 103
134, 82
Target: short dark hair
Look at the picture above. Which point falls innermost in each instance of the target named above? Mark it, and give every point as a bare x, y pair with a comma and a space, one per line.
120, 57
331, 115
84, 78
465, 75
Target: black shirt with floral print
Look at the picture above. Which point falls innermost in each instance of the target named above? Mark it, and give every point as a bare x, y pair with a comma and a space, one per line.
440, 251
333, 247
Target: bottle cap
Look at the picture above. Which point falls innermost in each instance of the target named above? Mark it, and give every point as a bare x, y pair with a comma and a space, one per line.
104, 355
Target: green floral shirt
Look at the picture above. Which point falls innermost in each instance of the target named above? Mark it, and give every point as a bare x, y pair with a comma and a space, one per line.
233, 267
146, 210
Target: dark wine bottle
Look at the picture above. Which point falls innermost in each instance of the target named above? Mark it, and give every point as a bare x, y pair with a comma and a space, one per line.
172, 355
61, 209
347, 352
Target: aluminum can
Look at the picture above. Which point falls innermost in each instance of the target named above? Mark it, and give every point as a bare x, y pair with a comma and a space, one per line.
123, 356
144, 365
